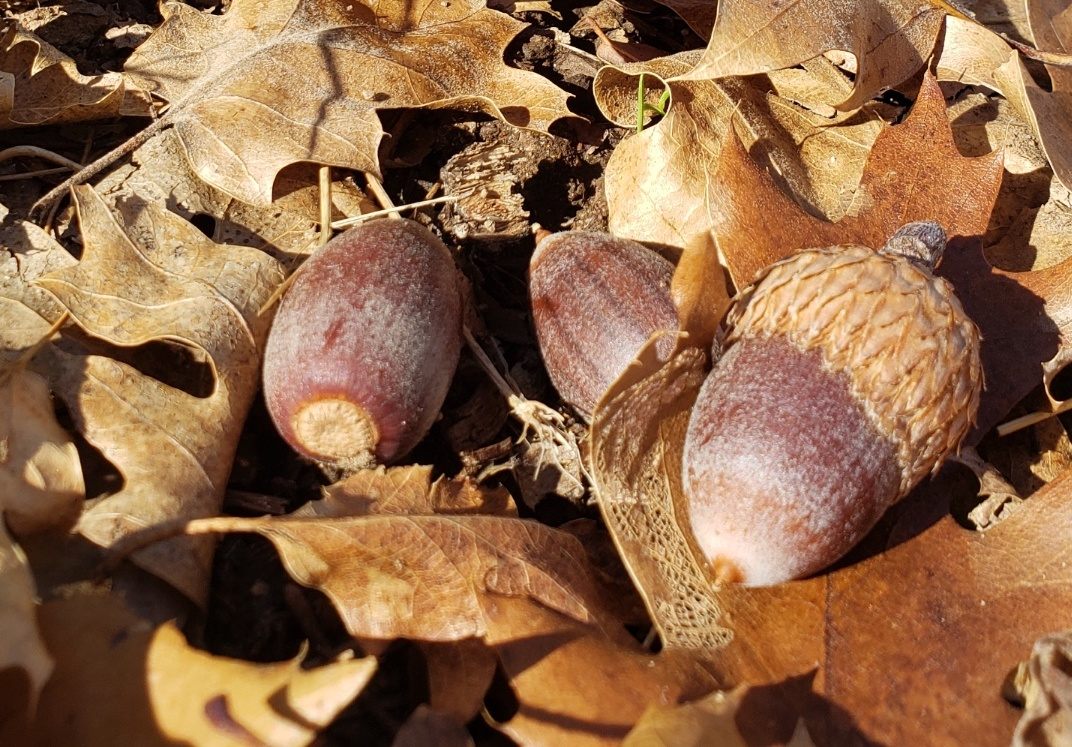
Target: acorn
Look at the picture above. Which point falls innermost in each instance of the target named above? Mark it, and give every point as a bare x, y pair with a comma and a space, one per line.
365, 344
596, 300
846, 376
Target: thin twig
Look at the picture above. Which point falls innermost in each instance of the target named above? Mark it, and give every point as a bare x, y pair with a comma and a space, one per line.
1026, 421
395, 210
109, 158
33, 174
376, 186
32, 151
325, 204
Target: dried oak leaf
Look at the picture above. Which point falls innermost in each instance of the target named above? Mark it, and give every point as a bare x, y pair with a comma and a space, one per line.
426, 577
913, 641
891, 39
661, 184
39, 85
119, 680
1022, 315
22, 648
268, 84
289, 227
41, 484
1043, 684
574, 686
407, 490
172, 447
709, 720
974, 55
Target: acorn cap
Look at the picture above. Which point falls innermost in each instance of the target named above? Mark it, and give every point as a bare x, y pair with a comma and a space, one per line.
899, 333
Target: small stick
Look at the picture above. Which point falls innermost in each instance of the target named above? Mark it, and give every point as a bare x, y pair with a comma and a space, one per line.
325, 204
32, 151
33, 174
395, 210
381, 195
1026, 421
88, 172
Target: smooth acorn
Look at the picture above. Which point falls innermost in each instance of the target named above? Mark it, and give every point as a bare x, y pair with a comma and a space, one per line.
846, 376
596, 300
365, 344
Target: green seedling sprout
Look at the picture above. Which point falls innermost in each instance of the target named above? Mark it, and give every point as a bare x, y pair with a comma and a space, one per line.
644, 107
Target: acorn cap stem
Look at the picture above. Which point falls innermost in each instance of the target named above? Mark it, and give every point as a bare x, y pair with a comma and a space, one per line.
921, 242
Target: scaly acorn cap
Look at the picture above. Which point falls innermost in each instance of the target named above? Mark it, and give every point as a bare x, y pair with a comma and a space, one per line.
900, 335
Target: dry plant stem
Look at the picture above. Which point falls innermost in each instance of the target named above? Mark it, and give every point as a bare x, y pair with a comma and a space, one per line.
31, 151
33, 174
109, 158
534, 415
325, 204
376, 186
1026, 421
394, 211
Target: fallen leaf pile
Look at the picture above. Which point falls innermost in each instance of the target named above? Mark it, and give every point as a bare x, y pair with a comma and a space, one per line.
171, 572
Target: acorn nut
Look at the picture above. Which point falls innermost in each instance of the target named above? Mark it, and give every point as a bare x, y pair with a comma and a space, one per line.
364, 347
847, 375
596, 300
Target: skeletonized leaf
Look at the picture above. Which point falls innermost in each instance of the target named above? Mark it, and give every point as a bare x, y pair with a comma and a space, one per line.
173, 448
891, 39
268, 84
40, 85
638, 430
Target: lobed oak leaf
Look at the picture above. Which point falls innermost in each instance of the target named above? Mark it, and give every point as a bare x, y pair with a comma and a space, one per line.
575, 686
122, 680
270, 84
40, 474
974, 55
1019, 334
39, 85
891, 39
426, 577
712, 719
171, 447
661, 184
407, 491
23, 647
288, 228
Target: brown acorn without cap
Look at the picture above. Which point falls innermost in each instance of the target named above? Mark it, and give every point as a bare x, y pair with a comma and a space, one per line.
847, 376
596, 300
364, 346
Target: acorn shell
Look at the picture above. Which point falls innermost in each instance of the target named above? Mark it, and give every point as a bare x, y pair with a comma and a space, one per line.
364, 346
846, 376
596, 299
899, 333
